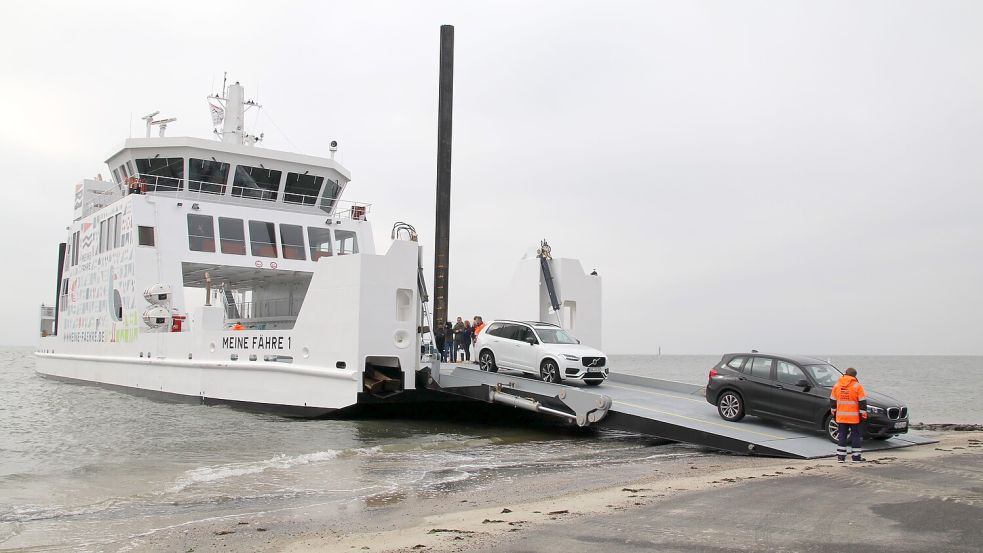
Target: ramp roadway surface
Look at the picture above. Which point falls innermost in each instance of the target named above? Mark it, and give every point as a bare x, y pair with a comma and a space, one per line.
671, 410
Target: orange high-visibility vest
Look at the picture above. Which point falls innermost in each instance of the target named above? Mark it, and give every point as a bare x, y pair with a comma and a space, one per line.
848, 394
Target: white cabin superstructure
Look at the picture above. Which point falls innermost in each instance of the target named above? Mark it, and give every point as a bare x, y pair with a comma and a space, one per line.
227, 272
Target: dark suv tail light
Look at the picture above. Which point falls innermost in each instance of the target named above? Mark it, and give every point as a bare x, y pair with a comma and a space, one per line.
713, 372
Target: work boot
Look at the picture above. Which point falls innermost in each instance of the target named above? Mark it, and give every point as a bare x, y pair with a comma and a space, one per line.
841, 458
858, 459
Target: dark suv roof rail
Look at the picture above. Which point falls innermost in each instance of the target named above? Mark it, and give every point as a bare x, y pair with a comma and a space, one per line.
800, 359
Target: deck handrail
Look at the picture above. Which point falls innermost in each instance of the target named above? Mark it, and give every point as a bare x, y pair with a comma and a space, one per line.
185, 189
279, 307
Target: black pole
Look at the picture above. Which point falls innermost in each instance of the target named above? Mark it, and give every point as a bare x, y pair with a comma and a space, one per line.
443, 227
61, 269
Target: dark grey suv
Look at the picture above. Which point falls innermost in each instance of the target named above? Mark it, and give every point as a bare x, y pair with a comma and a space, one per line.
793, 389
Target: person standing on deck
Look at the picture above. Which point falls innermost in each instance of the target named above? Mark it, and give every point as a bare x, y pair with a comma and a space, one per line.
479, 325
848, 403
439, 337
448, 342
466, 337
458, 330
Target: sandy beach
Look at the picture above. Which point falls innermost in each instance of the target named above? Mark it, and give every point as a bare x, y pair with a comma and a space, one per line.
907, 499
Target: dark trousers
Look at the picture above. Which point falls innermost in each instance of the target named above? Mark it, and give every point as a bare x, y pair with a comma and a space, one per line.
855, 437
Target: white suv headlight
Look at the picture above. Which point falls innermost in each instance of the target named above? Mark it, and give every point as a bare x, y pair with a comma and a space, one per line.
571, 357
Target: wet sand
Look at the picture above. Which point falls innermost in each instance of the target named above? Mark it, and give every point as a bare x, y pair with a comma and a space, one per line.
927, 497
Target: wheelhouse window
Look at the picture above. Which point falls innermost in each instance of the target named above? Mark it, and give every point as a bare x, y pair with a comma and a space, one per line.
292, 242
232, 236
262, 238
116, 176
346, 242
330, 196
145, 236
256, 182
162, 173
207, 176
320, 242
302, 188
201, 233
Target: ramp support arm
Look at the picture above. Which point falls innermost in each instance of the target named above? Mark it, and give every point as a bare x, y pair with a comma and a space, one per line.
585, 412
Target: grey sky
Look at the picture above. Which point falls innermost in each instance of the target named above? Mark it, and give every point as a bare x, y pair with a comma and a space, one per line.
790, 176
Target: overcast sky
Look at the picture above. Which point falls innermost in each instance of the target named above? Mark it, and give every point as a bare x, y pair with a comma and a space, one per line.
788, 176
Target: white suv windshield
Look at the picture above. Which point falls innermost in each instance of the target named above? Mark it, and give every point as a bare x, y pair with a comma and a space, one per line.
555, 336
824, 375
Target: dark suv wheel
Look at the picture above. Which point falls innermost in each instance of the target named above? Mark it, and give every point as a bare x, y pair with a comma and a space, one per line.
832, 430
730, 405
486, 361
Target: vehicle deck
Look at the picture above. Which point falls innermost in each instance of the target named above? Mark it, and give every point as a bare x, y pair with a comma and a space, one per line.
665, 409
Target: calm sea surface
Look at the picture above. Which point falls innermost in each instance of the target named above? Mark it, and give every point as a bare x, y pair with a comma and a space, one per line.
87, 468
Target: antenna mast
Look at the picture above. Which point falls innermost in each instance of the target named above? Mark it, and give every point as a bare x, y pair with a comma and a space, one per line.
231, 114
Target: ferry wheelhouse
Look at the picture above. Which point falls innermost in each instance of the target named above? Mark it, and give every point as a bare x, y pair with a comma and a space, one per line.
218, 270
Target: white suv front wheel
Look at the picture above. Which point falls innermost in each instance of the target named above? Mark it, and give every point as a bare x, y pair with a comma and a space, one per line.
550, 371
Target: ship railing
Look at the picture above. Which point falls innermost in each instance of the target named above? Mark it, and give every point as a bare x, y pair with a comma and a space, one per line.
100, 199
193, 190
279, 308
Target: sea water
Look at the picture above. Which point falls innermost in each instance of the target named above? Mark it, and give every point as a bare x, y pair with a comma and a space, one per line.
89, 468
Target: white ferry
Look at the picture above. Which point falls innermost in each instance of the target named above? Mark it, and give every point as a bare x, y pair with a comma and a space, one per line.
217, 270
220, 272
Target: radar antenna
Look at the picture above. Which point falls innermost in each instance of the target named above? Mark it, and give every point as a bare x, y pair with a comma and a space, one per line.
161, 123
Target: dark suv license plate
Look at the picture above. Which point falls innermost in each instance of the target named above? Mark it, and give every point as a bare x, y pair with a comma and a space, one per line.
902, 424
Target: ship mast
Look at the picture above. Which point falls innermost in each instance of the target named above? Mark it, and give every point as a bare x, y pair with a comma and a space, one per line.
231, 114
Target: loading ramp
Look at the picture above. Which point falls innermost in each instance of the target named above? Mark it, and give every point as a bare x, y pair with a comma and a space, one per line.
665, 409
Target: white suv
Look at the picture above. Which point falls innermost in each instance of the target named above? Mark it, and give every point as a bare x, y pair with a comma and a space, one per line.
539, 348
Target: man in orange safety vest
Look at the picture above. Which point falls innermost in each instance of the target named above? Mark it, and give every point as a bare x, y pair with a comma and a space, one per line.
848, 403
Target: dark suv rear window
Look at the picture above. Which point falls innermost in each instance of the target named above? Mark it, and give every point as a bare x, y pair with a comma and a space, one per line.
736, 363
761, 367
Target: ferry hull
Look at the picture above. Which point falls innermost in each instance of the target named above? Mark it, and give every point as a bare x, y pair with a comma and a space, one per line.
292, 391
291, 411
